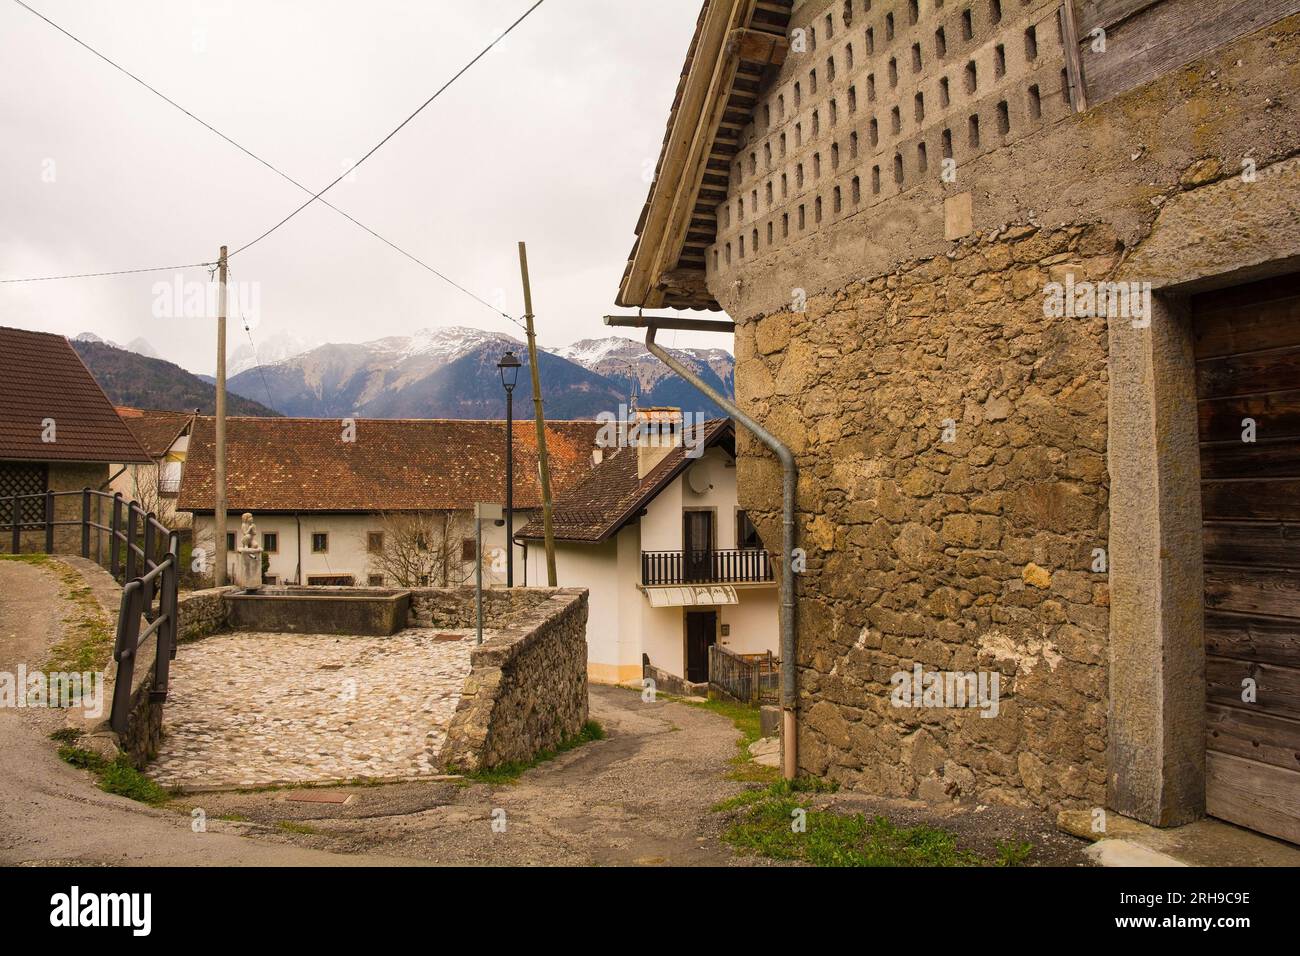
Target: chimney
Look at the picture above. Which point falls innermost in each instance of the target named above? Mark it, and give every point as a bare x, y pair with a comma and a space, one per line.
658, 430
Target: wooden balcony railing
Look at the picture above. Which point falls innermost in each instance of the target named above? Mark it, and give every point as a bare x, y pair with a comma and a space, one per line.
738, 566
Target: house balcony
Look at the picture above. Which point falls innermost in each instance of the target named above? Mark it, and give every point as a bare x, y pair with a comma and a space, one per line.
737, 566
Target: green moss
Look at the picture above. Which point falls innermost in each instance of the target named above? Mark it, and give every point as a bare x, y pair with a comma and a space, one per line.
87, 643
293, 826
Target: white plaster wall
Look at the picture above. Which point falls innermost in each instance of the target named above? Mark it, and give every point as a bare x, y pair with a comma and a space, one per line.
661, 528
347, 552
755, 624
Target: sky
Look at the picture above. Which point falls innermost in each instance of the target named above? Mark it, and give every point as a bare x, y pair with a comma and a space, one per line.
549, 139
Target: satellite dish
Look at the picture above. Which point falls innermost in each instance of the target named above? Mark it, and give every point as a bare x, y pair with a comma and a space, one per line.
698, 479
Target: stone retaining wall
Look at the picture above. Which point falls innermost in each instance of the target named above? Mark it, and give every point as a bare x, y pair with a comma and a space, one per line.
527, 690
201, 613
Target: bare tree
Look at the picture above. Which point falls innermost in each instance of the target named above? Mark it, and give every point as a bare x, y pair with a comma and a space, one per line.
415, 550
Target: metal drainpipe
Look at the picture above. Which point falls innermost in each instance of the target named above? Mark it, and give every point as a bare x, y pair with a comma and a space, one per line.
789, 700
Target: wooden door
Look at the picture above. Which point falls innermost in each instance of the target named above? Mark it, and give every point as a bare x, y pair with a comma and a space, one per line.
701, 634
1248, 404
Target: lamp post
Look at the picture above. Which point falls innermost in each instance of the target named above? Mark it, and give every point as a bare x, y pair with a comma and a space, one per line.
509, 367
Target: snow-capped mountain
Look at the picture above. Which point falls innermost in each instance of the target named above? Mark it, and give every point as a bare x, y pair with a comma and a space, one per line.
451, 373
139, 345
628, 361
275, 348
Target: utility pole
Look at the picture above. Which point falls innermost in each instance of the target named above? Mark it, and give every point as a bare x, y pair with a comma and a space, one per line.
219, 515
543, 459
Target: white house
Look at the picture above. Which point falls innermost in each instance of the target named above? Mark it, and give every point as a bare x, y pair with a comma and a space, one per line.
375, 502
672, 563
165, 435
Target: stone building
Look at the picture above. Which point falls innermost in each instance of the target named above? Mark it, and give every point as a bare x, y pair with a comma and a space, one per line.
919, 215
58, 432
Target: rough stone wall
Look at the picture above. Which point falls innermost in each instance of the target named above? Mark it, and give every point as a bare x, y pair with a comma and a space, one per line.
964, 555
527, 689
201, 613
977, 553
446, 607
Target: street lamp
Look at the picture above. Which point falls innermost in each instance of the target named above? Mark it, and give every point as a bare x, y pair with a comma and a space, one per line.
509, 367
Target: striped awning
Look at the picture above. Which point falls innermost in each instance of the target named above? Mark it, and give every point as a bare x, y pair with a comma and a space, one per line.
692, 595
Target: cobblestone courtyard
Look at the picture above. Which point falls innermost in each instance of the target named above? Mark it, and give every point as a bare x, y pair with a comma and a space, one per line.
254, 709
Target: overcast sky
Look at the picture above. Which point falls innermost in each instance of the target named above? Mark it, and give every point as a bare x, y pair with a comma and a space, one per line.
547, 139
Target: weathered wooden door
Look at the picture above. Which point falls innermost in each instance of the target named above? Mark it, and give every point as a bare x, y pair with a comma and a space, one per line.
1248, 401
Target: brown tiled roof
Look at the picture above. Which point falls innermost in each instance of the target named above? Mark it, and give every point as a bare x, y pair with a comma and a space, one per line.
41, 376
610, 494
302, 464
154, 429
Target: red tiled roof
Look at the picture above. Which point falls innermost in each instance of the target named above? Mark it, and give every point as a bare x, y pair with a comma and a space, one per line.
42, 377
156, 430
610, 494
303, 464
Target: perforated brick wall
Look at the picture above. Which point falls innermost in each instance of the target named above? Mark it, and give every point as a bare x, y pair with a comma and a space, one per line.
881, 94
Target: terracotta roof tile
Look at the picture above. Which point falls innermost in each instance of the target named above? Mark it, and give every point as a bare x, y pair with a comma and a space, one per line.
156, 430
303, 464
605, 498
41, 376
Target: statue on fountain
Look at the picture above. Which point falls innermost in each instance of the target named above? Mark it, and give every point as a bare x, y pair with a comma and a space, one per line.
248, 556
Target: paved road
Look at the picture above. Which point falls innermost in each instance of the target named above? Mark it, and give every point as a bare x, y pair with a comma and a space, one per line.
53, 813
640, 797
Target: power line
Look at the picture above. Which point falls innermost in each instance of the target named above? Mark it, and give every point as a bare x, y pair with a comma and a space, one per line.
280, 172
442, 89
120, 272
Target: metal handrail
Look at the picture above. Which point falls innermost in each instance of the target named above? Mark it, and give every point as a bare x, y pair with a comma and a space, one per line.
706, 566
149, 573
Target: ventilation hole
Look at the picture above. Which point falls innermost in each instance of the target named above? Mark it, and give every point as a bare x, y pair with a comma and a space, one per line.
922, 159
916, 58
1035, 103
919, 106
875, 182
999, 60
895, 121
967, 25
946, 143
857, 194
944, 96
898, 168
940, 43
972, 77
1031, 43
974, 130
1004, 118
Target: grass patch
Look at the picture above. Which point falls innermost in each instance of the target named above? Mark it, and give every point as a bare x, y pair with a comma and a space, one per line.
764, 825
505, 773
116, 776
1013, 854
293, 826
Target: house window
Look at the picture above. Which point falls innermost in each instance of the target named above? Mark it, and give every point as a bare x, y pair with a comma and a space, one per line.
230, 541
468, 549
320, 542
375, 542
271, 542
746, 533
421, 542
375, 580
423, 580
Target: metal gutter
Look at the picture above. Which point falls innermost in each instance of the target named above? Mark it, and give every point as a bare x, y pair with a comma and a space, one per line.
789, 470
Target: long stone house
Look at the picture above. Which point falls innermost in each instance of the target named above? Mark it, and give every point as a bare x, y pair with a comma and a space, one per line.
1015, 282
58, 432
672, 563
374, 502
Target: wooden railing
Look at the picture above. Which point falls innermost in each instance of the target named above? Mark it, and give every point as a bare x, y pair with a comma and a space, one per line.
738, 566
143, 553
749, 678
